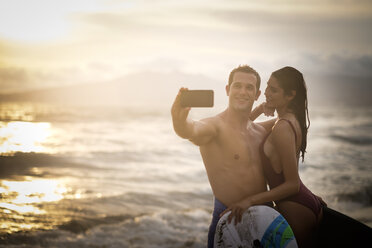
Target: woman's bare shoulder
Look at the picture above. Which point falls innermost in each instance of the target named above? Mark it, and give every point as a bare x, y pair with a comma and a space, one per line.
282, 130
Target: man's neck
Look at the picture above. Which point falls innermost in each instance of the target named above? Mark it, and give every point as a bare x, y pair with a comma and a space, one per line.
238, 118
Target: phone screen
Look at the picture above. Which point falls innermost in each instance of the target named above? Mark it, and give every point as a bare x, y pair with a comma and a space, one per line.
197, 98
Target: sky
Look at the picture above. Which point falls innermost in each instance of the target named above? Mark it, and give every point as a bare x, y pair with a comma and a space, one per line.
52, 43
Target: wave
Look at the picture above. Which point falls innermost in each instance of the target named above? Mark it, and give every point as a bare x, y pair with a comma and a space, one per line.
354, 140
182, 228
75, 226
82, 225
57, 113
362, 196
21, 164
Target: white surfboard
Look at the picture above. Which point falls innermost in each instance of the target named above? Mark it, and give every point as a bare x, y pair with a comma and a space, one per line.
261, 226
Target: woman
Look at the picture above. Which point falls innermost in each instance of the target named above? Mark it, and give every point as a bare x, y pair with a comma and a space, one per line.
280, 153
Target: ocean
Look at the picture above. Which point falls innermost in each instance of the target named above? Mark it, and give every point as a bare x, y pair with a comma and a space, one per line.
120, 176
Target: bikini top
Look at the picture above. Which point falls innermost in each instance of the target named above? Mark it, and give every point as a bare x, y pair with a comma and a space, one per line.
273, 178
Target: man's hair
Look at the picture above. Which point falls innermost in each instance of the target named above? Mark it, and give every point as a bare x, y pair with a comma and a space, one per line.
246, 69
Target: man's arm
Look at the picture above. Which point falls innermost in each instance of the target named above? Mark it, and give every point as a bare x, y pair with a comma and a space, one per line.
198, 132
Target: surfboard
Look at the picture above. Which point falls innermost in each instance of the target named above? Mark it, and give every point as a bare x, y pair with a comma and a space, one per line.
261, 226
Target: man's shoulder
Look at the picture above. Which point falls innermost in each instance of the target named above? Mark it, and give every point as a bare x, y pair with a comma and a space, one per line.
258, 127
217, 122
216, 119
267, 125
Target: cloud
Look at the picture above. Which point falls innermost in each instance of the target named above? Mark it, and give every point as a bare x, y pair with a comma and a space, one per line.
108, 20
303, 29
359, 66
337, 79
196, 37
13, 78
351, 65
12, 75
18, 78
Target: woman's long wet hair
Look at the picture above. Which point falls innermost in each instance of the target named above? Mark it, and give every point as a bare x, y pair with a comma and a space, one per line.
290, 79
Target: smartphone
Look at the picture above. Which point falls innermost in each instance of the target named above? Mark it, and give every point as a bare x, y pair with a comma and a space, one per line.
197, 98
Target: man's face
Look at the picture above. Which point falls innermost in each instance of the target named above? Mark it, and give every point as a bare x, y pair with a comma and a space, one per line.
242, 91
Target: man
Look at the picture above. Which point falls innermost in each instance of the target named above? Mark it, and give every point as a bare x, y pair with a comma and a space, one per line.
229, 142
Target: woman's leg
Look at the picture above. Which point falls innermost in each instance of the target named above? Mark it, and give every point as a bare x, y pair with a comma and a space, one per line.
302, 221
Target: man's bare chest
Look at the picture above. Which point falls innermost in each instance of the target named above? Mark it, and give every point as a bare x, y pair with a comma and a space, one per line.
238, 145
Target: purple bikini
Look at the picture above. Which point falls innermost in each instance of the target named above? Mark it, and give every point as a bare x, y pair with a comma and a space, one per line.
304, 196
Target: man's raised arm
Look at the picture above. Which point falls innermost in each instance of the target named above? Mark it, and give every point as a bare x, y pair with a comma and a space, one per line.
198, 132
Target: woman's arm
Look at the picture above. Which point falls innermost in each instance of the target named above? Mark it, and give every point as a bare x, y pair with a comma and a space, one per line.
257, 111
261, 109
284, 142
267, 111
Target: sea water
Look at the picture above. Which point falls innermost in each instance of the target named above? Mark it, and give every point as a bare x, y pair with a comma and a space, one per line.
120, 177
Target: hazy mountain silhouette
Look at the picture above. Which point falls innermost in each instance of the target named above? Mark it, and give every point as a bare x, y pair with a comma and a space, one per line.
135, 89
159, 89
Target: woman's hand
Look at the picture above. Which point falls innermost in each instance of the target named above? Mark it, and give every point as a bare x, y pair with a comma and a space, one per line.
263, 108
322, 202
267, 109
237, 210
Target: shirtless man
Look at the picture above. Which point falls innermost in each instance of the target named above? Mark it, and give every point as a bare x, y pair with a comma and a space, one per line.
229, 142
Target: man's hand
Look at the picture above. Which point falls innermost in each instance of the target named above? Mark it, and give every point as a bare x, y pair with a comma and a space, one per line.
179, 115
237, 210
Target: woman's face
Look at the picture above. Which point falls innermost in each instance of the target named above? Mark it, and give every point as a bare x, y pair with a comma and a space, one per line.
274, 94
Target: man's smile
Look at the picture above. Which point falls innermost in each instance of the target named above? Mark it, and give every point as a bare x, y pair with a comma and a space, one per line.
242, 99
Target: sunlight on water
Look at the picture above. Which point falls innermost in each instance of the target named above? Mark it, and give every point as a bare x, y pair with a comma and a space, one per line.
10, 227
21, 198
40, 190
24, 204
17, 111
18, 136
20, 208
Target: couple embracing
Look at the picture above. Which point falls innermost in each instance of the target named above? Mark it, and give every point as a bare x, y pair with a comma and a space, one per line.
242, 157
